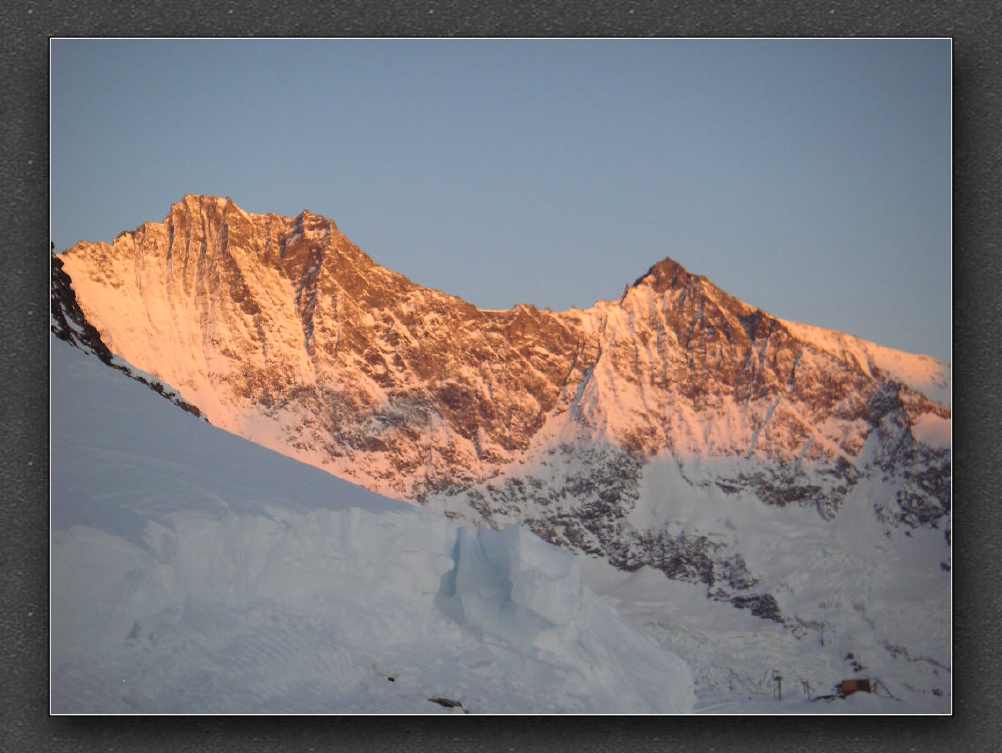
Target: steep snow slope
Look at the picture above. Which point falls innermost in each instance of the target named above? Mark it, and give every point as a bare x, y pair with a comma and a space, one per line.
193, 571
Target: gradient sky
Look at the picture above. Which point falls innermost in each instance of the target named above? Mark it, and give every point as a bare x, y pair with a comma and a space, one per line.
810, 178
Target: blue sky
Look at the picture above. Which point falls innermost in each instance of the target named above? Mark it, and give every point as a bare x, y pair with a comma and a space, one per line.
810, 178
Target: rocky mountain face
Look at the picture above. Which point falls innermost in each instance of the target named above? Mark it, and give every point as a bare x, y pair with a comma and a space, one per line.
589, 425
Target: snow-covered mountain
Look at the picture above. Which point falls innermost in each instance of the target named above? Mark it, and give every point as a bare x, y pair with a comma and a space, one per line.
677, 429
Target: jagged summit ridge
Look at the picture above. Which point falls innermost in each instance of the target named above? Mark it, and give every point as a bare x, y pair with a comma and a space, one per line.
664, 275
199, 208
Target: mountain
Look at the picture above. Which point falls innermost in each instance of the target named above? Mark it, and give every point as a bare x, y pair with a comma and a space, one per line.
659, 431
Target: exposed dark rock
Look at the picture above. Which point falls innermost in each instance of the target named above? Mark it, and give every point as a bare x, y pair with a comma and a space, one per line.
761, 605
448, 703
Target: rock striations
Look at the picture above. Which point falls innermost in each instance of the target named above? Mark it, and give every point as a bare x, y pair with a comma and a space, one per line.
585, 424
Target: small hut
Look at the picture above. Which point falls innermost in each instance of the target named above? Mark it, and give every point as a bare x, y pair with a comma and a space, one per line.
848, 687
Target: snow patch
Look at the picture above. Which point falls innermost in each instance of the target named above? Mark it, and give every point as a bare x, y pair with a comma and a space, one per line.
932, 430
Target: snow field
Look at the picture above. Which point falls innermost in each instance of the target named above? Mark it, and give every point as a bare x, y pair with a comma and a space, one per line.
195, 572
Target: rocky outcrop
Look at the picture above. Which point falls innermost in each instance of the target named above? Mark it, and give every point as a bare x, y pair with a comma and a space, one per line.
67, 321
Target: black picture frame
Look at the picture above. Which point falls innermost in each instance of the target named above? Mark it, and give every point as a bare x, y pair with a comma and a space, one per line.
24, 55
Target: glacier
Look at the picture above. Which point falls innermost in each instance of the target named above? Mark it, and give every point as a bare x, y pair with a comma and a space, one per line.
195, 572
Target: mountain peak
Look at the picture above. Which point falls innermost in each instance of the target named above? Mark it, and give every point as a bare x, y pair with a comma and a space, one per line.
665, 275
196, 199
202, 203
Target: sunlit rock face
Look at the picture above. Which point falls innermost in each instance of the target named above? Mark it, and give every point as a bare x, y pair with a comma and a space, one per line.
283, 331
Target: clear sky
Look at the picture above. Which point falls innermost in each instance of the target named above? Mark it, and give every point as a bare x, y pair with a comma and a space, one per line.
810, 178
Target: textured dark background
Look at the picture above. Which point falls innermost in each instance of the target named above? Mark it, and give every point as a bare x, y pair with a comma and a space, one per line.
24, 32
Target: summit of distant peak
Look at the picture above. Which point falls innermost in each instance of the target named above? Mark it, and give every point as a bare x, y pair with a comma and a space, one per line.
200, 204
664, 275
190, 199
